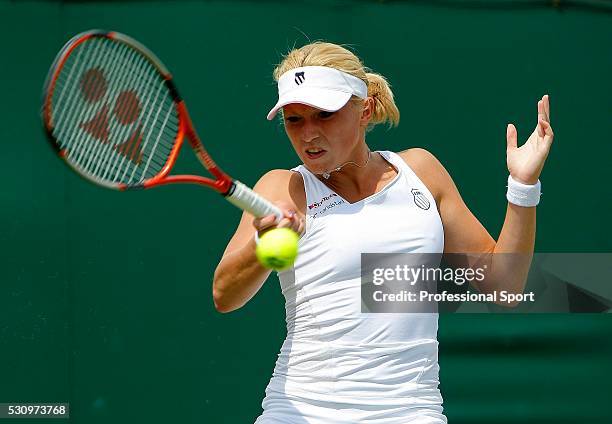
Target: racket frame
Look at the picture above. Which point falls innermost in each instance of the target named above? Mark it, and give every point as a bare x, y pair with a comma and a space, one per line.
233, 190
223, 183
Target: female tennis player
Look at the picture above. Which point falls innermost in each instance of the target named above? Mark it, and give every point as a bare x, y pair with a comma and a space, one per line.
336, 364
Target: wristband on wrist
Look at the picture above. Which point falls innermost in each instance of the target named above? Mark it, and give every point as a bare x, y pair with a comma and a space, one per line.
525, 195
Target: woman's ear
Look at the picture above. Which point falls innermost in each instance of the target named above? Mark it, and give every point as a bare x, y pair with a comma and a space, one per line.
368, 111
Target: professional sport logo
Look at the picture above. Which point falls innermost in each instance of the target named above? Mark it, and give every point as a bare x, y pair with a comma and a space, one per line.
420, 199
299, 77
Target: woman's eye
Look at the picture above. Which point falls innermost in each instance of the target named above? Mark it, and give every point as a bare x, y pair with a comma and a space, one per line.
292, 118
325, 115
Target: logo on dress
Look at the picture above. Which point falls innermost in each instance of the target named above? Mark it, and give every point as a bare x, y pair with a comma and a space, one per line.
419, 199
328, 202
299, 77
320, 202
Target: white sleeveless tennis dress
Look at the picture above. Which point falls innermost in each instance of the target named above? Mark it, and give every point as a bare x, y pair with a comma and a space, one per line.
337, 365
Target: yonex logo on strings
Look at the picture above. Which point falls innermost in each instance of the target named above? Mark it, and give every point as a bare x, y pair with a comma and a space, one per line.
299, 77
126, 109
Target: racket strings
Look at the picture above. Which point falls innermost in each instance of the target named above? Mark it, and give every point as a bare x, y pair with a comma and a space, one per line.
116, 165
131, 147
113, 113
123, 124
96, 125
96, 128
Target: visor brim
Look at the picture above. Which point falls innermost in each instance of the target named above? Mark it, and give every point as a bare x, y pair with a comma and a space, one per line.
320, 98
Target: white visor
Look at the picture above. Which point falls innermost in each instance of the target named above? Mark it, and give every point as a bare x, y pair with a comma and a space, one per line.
318, 86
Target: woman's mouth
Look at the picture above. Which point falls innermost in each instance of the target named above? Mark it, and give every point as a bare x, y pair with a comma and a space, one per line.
315, 153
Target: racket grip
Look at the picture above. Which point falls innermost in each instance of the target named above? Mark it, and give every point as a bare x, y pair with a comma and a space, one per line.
246, 199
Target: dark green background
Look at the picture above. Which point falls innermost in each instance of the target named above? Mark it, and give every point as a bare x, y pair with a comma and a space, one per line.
105, 297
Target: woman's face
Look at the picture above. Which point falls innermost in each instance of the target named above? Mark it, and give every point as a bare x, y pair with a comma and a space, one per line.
323, 140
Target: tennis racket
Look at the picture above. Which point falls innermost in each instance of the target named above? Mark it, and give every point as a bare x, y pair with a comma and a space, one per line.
114, 115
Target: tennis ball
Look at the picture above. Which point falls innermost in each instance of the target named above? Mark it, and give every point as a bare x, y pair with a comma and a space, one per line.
277, 248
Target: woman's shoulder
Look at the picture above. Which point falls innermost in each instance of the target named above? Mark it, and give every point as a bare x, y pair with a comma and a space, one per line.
428, 168
280, 178
282, 184
418, 157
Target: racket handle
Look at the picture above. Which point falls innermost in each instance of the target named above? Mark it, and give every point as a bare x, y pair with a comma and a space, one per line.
246, 199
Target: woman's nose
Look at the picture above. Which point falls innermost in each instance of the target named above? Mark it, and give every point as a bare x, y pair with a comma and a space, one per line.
310, 132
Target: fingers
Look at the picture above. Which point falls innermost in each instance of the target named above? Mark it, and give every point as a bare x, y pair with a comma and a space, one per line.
548, 135
541, 117
264, 223
294, 222
543, 114
544, 108
511, 137
291, 219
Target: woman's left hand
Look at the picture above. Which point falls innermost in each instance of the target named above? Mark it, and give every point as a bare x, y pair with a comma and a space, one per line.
525, 163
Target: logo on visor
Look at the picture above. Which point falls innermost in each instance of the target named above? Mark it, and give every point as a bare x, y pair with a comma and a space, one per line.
299, 77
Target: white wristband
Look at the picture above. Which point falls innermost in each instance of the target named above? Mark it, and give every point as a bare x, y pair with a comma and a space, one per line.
525, 195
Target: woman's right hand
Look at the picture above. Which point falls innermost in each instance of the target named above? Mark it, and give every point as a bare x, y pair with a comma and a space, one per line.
239, 274
291, 219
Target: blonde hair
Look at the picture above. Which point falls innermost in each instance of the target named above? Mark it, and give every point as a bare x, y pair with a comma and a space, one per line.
334, 56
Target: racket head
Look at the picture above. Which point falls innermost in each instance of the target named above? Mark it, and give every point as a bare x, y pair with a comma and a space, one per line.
112, 112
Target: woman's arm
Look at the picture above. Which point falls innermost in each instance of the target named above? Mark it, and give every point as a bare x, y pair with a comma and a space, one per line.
239, 275
508, 259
